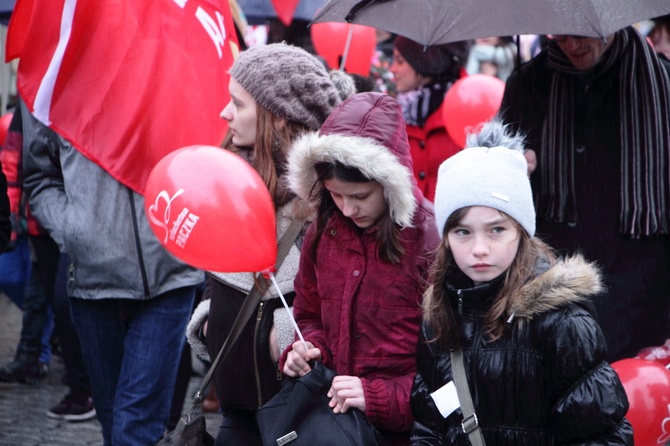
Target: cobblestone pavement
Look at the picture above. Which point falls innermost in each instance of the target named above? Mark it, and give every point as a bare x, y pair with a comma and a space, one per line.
23, 407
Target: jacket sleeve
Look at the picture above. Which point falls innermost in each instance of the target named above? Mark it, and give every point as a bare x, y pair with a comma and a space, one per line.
424, 429
43, 177
307, 304
387, 402
590, 400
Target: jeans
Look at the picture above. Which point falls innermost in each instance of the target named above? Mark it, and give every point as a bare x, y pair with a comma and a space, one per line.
75, 377
22, 282
132, 349
38, 317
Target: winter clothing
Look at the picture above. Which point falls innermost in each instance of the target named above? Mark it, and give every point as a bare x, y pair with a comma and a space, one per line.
589, 216
430, 145
544, 382
236, 385
126, 290
294, 85
502, 184
288, 81
101, 266
364, 313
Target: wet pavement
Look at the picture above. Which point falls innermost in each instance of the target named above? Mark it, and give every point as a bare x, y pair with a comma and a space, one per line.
23, 407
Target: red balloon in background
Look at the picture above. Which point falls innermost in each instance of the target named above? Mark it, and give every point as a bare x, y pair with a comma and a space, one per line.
469, 103
211, 209
5, 120
647, 385
330, 39
285, 10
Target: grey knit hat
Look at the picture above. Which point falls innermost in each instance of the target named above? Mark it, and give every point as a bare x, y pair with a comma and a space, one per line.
496, 177
287, 81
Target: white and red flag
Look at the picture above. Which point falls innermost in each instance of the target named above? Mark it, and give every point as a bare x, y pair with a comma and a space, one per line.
125, 81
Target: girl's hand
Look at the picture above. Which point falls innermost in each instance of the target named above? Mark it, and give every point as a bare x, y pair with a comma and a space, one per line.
346, 392
297, 361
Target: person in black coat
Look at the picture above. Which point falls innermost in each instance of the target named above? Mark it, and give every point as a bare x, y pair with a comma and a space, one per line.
595, 113
534, 355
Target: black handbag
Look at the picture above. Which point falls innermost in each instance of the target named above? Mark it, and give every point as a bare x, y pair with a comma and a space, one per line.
191, 430
299, 415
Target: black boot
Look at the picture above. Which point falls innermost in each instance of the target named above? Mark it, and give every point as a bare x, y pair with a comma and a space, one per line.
25, 368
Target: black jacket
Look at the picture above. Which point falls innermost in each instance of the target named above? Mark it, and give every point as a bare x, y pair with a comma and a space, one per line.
544, 382
248, 377
636, 270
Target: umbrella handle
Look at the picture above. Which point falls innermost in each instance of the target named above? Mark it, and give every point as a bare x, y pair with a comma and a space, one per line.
346, 46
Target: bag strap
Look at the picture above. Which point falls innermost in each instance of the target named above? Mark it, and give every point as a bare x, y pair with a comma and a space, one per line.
470, 423
248, 308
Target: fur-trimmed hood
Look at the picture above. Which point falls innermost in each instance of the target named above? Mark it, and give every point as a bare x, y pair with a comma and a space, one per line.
570, 280
367, 131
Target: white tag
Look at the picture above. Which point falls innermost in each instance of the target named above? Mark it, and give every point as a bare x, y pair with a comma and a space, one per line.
500, 196
446, 399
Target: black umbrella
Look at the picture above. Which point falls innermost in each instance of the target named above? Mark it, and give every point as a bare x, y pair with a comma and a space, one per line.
440, 21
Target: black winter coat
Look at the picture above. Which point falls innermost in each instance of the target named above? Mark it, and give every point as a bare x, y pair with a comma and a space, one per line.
544, 382
636, 271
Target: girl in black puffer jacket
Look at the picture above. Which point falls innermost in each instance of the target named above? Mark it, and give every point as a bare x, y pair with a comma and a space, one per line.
533, 352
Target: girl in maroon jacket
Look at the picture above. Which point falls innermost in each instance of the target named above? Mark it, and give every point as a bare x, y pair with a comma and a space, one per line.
364, 260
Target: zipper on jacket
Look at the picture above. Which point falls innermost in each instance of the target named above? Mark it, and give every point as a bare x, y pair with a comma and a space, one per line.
460, 301
259, 316
138, 243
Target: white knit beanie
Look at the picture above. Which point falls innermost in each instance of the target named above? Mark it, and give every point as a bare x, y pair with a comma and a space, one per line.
496, 177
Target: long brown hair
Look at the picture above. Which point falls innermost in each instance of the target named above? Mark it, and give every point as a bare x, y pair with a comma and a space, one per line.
388, 233
439, 313
274, 137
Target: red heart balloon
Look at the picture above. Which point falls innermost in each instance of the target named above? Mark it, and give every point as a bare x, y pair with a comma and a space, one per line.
647, 385
469, 103
211, 209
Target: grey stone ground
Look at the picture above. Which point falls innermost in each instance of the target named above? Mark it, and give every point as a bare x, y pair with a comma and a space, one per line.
23, 407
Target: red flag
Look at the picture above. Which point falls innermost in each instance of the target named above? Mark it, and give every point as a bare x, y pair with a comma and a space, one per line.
125, 81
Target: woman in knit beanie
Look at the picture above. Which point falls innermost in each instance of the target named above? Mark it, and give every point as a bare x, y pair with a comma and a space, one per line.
278, 92
519, 317
422, 76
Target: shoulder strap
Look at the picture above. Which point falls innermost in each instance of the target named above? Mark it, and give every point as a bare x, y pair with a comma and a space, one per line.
248, 307
470, 424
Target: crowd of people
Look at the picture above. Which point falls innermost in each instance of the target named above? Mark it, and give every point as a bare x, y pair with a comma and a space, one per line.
539, 251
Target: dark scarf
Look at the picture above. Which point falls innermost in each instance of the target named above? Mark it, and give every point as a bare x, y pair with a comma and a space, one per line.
419, 104
644, 93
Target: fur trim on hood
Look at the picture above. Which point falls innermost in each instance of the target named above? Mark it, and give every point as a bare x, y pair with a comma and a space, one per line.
570, 280
366, 132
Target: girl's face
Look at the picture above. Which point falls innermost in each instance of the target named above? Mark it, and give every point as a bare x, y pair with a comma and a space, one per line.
363, 203
484, 243
241, 115
405, 77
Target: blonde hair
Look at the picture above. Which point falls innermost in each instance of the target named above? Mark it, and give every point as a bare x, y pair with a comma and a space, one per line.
438, 312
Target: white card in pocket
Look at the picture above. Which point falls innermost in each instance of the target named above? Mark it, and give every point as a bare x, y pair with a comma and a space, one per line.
446, 399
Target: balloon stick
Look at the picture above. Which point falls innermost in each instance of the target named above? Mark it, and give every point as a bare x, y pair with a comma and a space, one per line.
288, 309
346, 47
